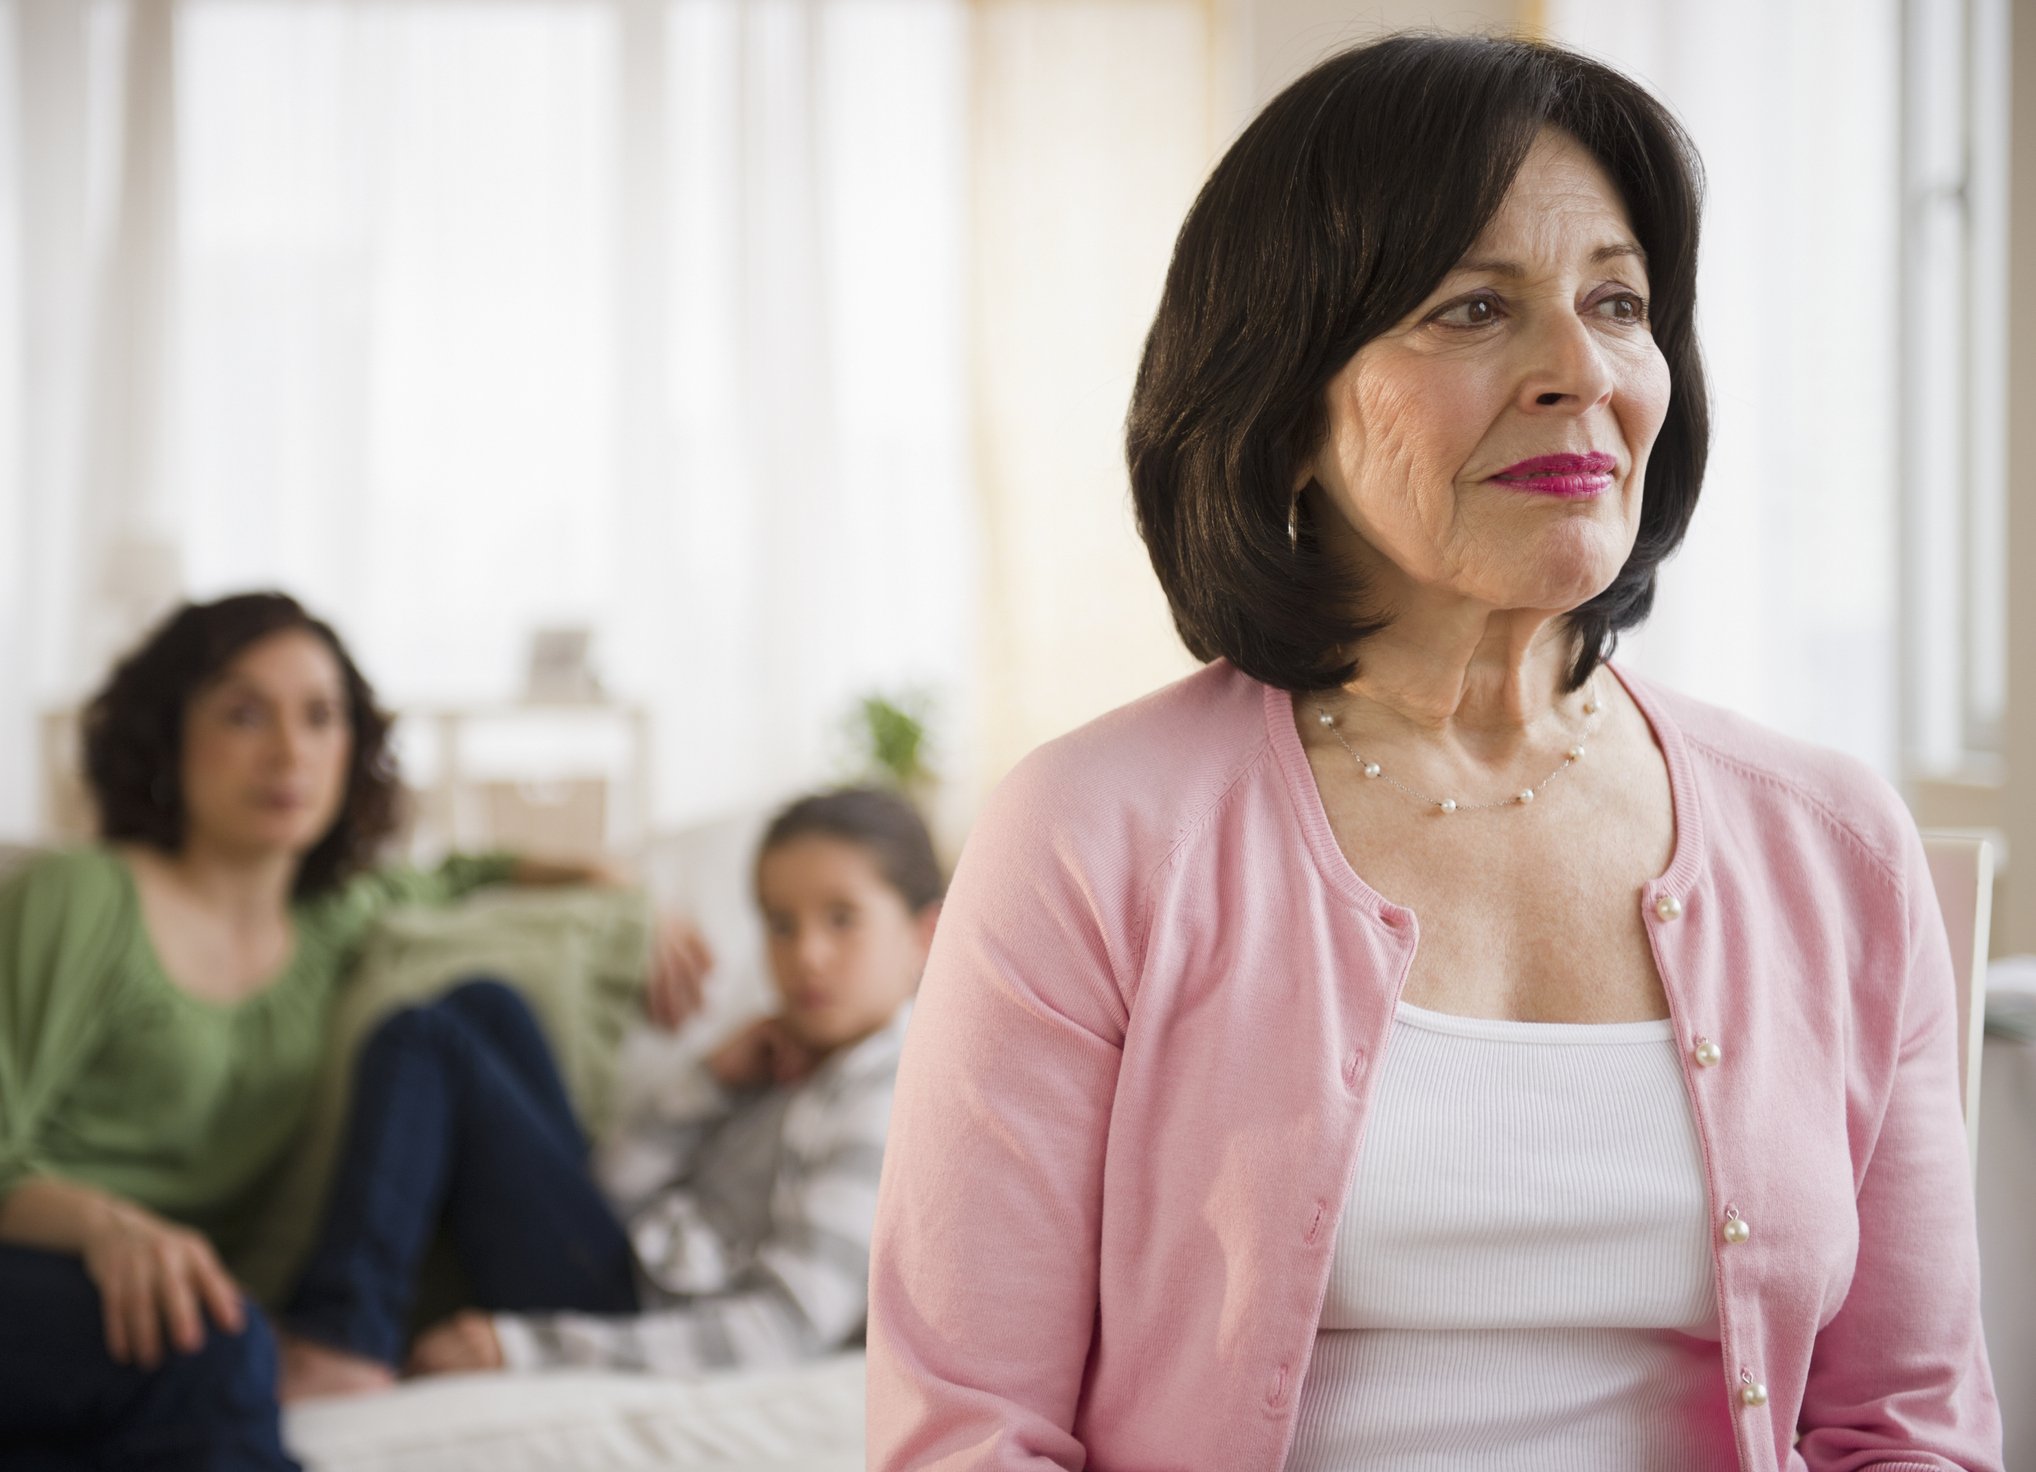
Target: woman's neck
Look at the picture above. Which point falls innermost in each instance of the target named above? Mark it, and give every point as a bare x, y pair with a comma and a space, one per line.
1488, 681
245, 889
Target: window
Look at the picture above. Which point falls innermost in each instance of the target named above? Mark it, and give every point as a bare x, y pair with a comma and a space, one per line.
1952, 364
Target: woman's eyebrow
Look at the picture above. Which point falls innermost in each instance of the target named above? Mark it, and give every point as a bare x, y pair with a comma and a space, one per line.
242, 687
1492, 265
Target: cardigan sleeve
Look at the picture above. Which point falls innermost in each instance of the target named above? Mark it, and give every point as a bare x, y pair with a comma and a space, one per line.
1899, 1378
61, 933
984, 1271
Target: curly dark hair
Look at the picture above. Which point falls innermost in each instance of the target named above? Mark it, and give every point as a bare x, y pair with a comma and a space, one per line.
1335, 213
134, 734
873, 818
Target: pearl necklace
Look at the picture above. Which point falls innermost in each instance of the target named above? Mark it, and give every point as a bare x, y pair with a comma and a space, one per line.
1447, 805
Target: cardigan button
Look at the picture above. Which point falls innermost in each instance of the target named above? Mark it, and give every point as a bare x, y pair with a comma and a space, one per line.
1707, 1053
1736, 1229
1668, 907
1754, 1394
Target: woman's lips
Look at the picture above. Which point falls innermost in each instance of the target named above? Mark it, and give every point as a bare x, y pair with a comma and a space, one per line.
1560, 475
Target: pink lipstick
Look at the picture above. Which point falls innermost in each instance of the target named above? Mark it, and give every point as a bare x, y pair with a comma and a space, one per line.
1560, 475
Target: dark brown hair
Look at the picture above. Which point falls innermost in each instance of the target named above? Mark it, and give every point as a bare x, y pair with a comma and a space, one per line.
1338, 210
134, 734
875, 819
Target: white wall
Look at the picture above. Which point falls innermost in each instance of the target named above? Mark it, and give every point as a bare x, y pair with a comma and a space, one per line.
1283, 38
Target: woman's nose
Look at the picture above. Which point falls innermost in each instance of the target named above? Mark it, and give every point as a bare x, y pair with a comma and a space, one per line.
292, 742
1569, 369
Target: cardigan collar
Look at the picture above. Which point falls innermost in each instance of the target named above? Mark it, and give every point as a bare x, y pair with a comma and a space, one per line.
1684, 866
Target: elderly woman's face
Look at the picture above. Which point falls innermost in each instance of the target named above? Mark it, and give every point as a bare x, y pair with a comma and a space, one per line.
1491, 447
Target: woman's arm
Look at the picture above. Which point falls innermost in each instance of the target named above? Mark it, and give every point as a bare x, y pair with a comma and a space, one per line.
1899, 1378
54, 1214
61, 931
983, 1283
156, 1280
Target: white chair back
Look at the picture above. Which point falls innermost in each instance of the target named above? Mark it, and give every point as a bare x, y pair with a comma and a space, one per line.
1962, 868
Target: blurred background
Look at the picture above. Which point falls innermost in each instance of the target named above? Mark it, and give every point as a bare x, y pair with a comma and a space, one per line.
681, 403
643, 385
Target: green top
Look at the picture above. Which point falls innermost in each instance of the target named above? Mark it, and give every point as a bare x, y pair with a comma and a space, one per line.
113, 1076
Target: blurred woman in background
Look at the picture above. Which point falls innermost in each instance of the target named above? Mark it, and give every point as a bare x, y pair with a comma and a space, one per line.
163, 1004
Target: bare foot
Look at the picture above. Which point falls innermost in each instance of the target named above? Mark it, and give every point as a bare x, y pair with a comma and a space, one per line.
312, 1371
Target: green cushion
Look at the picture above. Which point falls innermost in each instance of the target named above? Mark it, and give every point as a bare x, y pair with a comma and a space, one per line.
578, 955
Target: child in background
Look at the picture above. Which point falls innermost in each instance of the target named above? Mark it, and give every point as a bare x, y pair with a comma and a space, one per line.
730, 1225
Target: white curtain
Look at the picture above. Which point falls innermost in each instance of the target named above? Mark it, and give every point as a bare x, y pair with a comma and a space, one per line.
1096, 122
17, 769
1784, 601
463, 319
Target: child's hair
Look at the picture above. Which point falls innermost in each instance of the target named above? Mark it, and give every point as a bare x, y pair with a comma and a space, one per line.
875, 819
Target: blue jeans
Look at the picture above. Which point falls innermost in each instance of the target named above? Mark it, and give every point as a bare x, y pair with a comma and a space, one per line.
460, 1119
67, 1406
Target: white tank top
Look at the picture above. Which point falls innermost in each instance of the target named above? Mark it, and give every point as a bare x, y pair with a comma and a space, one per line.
1522, 1274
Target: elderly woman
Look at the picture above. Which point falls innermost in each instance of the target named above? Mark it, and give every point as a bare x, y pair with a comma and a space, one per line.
163, 1006
1413, 1042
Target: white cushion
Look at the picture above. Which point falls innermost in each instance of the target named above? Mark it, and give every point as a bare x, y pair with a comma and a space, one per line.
805, 1419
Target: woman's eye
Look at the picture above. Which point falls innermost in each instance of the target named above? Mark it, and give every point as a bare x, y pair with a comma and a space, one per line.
1475, 311
243, 715
1624, 306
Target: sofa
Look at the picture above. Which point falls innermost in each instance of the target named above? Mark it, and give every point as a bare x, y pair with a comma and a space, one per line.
808, 1419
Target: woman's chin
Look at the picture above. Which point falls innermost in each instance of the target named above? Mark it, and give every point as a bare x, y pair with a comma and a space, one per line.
1554, 564
273, 836
1570, 567
1551, 593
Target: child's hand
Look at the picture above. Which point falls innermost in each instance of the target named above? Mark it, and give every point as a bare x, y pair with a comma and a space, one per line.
461, 1344
679, 963
765, 1052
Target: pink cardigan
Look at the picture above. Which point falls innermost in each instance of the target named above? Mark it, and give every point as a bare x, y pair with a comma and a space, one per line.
1136, 1081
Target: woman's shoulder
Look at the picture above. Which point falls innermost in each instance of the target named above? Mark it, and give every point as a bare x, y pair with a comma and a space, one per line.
1200, 723
91, 879
1144, 773
333, 922
66, 912
1762, 773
